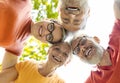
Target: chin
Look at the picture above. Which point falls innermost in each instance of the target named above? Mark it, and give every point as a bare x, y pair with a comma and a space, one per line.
95, 59
91, 61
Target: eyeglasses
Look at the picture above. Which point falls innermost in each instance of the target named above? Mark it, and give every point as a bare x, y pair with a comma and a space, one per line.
50, 28
82, 41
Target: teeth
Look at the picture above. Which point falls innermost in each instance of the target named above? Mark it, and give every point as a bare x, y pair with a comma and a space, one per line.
88, 52
40, 31
72, 9
57, 59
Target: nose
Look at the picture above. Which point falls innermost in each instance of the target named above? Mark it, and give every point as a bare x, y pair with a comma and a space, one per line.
71, 15
45, 32
82, 49
60, 54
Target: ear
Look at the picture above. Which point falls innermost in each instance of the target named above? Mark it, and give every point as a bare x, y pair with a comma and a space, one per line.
88, 12
96, 39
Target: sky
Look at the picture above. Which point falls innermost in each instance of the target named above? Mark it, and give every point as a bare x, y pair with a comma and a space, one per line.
100, 24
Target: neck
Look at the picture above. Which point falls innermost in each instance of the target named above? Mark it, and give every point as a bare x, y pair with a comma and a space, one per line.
47, 69
106, 61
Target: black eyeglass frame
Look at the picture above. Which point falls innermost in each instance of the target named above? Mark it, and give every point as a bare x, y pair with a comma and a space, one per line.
76, 50
62, 29
50, 30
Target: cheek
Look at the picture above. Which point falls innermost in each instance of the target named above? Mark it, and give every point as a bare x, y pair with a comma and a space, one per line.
67, 26
34, 30
61, 13
74, 43
79, 55
57, 34
53, 52
42, 39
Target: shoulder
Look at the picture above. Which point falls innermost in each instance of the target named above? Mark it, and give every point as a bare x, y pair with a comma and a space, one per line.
23, 65
57, 79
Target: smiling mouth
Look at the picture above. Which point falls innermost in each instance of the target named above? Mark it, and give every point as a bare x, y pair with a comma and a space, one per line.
89, 51
40, 31
72, 8
57, 59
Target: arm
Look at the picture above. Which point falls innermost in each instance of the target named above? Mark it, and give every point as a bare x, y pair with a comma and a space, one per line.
8, 75
117, 9
9, 72
9, 60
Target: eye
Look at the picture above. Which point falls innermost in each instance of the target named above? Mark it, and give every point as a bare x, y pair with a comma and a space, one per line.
66, 20
76, 50
57, 49
49, 37
50, 27
65, 54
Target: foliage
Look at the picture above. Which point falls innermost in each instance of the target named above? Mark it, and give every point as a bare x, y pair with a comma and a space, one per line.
35, 49
45, 9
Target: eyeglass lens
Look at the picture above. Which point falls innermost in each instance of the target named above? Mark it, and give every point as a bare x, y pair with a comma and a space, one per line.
81, 42
50, 28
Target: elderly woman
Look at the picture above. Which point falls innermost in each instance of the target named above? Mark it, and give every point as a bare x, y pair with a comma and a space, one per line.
32, 72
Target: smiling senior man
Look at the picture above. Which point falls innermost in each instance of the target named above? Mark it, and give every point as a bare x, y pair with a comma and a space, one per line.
107, 61
73, 14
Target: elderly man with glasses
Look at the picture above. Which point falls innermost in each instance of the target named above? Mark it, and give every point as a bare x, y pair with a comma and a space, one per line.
107, 61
